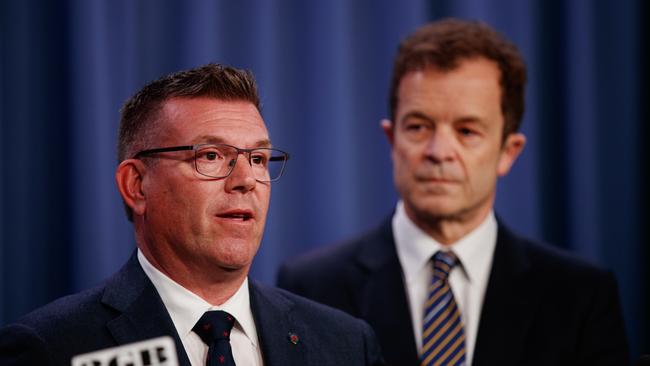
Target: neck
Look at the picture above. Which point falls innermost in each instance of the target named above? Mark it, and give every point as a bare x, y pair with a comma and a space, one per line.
212, 284
449, 229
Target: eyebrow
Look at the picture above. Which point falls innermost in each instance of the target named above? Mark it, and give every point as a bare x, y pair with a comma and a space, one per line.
423, 116
475, 120
418, 115
210, 139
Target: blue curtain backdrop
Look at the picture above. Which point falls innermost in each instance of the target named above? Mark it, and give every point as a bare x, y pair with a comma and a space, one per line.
323, 68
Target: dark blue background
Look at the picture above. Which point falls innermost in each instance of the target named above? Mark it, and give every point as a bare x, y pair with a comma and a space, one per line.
323, 68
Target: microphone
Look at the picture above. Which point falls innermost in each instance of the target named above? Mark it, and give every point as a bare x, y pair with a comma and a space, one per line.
151, 352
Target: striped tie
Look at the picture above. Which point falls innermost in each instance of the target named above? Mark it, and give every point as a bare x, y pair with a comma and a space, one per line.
443, 338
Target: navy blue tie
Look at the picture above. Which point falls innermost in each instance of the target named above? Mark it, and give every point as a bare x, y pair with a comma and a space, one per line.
443, 338
214, 329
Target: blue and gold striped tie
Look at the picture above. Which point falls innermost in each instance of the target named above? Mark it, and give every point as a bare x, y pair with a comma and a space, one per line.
443, 338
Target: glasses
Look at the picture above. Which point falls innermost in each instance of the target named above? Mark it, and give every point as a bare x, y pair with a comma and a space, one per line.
218, 160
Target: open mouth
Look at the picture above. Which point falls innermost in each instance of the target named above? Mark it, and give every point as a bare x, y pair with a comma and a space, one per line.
236, 215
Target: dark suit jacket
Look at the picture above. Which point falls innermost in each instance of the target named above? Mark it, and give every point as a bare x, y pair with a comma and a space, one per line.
541, 307
128, 309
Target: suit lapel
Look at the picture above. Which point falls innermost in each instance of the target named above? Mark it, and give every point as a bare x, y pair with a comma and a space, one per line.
275, 326
143, 314
508, 307
382, 300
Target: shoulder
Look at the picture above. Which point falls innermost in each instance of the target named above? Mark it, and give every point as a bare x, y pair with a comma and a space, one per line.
340, 337
574, 294
545, 259
46, 334
73, 324
63, 313
316, 317
342, 260
543, 268
300, 307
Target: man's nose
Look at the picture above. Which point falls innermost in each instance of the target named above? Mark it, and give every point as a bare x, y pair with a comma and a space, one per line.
441, 146
242, 177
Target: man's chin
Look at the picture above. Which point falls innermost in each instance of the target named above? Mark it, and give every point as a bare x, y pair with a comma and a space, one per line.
436, 210
234, 264
233, 267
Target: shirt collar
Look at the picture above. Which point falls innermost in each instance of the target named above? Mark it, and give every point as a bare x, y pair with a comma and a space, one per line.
186, 308
415, 248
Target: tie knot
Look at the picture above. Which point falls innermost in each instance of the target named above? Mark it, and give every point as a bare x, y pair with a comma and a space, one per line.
443, 262
214, 325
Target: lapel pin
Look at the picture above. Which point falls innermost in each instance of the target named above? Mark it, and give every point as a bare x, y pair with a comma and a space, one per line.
293, 338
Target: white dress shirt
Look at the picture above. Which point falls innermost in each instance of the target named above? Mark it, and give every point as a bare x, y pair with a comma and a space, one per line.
186, 308
468, 280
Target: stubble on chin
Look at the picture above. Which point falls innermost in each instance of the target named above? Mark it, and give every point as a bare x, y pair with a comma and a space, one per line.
436, 211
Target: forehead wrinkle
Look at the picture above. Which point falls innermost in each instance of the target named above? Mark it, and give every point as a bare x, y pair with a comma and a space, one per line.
224, 112
196, 121
210, 139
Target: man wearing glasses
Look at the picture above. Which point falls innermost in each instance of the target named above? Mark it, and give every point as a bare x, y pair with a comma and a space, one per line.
195, 174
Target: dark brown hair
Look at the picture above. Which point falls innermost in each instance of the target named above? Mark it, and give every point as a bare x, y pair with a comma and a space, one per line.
140, 114
443, 44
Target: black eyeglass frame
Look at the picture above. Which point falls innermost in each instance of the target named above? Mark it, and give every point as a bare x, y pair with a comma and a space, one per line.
284, 156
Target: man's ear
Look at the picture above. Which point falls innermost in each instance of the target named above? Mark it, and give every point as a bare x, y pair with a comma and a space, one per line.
512, 147
389, 130
129, 176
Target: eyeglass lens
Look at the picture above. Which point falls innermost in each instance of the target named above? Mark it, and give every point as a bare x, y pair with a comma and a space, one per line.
219, 160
